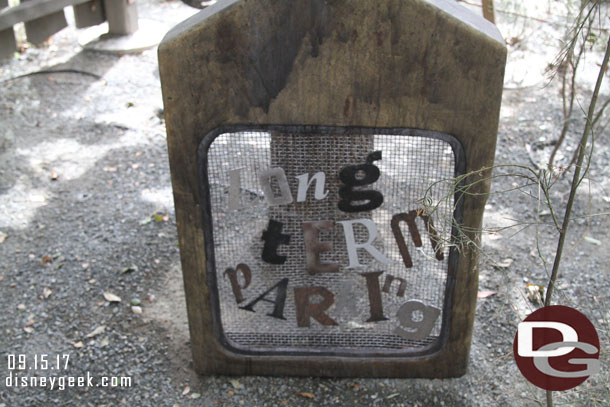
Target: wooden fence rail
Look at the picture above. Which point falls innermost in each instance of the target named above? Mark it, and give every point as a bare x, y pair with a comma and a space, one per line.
44, 18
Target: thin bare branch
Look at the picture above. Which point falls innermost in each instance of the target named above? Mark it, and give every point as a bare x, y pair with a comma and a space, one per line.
577, 178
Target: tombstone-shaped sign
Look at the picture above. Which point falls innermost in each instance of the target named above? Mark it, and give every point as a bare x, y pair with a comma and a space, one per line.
316, 149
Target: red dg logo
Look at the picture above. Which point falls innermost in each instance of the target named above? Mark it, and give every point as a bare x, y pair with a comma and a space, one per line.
556, 348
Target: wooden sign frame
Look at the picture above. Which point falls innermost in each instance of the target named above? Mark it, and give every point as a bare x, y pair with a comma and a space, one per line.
388, 64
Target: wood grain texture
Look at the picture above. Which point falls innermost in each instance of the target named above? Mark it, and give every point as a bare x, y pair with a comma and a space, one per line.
384, 64
7, 43
488, 10
40, 29
89, 14
7, 37
32, 10
122, 16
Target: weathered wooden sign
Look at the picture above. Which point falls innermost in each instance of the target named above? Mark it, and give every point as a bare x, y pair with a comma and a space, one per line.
314, 149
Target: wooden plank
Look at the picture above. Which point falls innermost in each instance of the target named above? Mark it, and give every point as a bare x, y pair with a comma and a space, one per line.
7, 43
488, 10
89, 14
122, 16
31, 10
7, 38
3, 4
40, 29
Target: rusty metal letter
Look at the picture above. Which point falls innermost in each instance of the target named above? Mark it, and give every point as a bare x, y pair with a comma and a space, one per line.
409, 218
232, 273
313, 247
307, 310
375, 304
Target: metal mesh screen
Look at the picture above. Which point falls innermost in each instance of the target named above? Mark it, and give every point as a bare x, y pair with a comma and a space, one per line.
410, 165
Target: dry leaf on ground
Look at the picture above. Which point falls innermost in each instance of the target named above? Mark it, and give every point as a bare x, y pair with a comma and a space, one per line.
505, 263
592, 240
110, 297
535, 293
100, 329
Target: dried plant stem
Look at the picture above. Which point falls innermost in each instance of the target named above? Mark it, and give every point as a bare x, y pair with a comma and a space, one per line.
576, 179
569, 66
568, 105
574, 187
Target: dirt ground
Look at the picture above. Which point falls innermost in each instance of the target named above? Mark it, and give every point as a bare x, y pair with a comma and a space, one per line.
86, 212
